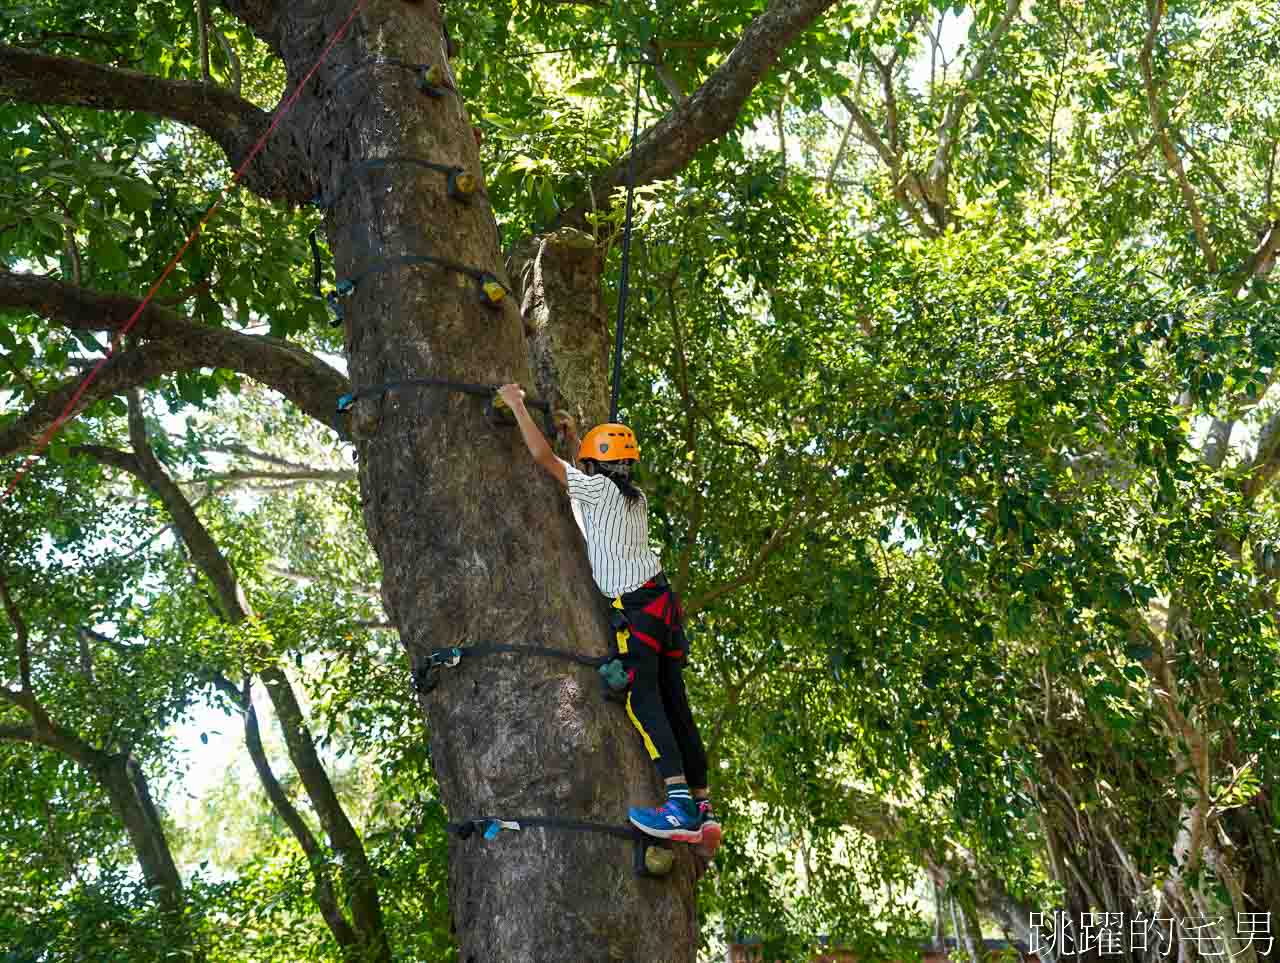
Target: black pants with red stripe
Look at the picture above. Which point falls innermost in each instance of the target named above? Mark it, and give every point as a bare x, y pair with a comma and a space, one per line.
658, 703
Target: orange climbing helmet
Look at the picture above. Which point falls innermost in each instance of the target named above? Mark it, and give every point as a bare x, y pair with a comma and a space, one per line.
609, 442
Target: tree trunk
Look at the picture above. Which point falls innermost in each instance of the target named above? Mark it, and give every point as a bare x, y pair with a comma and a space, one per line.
569, 335
126, 787
475, 545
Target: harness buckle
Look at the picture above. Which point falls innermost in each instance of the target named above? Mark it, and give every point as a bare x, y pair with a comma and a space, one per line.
494, 826
427, 675
445, 658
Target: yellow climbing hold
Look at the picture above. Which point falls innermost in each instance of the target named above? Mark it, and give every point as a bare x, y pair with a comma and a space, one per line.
658, 861
493, 292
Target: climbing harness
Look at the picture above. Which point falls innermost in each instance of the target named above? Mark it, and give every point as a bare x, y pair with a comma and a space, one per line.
492, 291
495, 408
625, 269
461, 185
651, 857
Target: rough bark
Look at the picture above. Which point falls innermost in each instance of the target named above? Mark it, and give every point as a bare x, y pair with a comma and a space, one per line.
476, 546
235, 124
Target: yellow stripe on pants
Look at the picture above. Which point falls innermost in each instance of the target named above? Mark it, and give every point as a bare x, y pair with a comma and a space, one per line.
622, 634
648, 743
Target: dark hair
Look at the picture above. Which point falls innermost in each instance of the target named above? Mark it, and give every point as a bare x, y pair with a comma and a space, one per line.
620, 474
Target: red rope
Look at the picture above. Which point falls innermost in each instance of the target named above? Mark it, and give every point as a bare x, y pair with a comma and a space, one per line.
173, 262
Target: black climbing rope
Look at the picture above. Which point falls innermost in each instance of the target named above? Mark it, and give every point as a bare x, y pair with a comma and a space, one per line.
626, 254
461, 185
331, 299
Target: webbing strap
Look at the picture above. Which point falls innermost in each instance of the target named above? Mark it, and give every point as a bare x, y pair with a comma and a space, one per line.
490, 826
650, 856
493, 289
459, 188
331, 299
489, 392
425, 679
463, 387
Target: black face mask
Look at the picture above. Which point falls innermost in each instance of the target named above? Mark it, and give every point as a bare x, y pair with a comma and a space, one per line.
622, 472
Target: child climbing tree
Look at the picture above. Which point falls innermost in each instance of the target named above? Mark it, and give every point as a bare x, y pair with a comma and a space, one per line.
472, 548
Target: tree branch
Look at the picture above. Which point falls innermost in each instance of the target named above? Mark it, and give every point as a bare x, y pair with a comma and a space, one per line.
1260, 260
666, 147
323, 892
663, 72
1217, 443
298, 474
261, 16
869, 133
1160, 121
354, 865
85, 309
182, 345
235, 124
830, 179
941, 166
235, 448
21, 636
43, 732
754, 569
1266, 462
148, 470
904, 187
18, 734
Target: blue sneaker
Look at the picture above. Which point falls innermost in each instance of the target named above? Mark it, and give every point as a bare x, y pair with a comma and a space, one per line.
676, 820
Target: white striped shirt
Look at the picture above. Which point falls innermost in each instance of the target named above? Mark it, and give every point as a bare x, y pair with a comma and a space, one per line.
617, 533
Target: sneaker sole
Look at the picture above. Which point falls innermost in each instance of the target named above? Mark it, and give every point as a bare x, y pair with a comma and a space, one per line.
675, 835
711, 834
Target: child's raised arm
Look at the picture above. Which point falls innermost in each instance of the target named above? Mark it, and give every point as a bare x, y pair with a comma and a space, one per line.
534, 440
